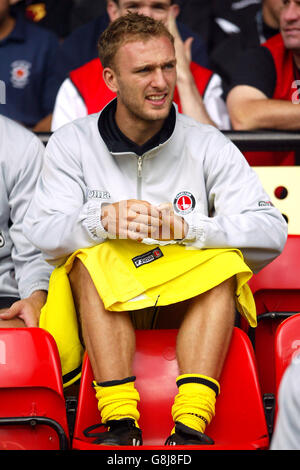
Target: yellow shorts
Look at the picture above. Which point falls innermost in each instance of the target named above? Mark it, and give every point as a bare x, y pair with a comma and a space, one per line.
132, 276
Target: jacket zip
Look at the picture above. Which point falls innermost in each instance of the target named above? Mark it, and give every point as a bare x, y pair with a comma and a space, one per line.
139, 176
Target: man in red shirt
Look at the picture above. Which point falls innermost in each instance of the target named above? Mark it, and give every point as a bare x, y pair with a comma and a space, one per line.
265, 90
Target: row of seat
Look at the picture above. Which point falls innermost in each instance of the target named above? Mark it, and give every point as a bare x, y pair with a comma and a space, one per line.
32, 403
33, 411
276, 288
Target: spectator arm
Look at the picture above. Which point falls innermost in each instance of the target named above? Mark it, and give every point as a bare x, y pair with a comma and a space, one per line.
251, 109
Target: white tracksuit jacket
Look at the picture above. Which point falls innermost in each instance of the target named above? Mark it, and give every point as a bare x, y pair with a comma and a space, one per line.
227, 206
22, 268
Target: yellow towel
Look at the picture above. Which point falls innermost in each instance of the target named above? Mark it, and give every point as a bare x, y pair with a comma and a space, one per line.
131, 276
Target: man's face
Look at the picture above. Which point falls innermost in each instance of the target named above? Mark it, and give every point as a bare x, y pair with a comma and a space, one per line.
290, 24
274, 8
157, 9
145, 78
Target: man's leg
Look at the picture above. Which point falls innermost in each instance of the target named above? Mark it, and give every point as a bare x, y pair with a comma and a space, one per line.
205, 333
109, 339
202, 344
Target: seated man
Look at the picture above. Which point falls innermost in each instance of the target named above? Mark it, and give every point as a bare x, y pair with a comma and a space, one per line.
199, 91
27, 67
24, 275
266, 85
141, 207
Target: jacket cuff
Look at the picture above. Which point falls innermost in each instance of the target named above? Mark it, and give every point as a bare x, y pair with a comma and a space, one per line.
195, 232
39, 285
94, 224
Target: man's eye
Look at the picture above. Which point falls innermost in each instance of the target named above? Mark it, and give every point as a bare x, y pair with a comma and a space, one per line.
144, 70
169, 66
160, 7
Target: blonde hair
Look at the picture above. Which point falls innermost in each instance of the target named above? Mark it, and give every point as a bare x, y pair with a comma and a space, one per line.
127, 28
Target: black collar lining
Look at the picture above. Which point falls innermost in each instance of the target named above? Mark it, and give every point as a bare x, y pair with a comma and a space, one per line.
117, 142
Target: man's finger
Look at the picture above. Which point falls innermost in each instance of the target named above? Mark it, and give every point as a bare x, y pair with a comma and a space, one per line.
188, 48
12, 312
143, 230
140, 207
5, 315
147, 220
30, 322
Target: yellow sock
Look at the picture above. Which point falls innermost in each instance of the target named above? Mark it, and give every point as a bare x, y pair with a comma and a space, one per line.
194, 405
117, 399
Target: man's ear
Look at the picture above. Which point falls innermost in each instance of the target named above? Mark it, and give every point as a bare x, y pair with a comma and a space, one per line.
110, 78
175, 10
113, 10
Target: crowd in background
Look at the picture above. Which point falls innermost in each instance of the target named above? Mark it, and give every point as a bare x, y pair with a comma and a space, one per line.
35, 62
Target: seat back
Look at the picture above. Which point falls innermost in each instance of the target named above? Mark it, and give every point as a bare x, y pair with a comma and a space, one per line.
32, 405
283, 272
287, 345
276, 290
239, 420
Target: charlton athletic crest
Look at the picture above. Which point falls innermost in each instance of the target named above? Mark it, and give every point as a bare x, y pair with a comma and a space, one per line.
184, 202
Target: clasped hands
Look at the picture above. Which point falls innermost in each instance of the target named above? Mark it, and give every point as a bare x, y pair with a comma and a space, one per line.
135, 220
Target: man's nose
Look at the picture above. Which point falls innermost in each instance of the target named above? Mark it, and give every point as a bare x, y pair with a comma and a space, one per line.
158, 79
146, 11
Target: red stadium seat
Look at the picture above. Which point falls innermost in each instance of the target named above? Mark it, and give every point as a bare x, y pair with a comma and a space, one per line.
287, 345
282, 185
239, 422
276, 290
270, 158
32, 405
